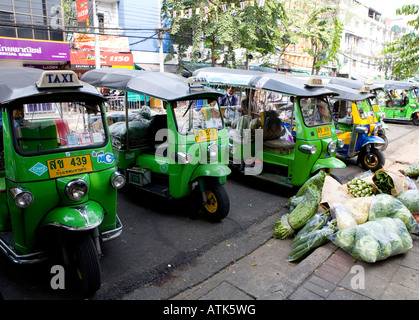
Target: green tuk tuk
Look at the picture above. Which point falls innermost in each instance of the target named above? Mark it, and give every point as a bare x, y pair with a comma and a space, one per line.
58, 177
399, 101
275, 107
179, 151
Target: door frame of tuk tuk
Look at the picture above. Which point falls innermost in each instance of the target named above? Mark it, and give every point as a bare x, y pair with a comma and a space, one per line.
410, 111
170, 88
22, 85
362, 132
304, 147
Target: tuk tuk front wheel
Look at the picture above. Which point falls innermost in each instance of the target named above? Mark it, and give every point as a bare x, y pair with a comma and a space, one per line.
84, 263
415, 118
372, 159
217, 204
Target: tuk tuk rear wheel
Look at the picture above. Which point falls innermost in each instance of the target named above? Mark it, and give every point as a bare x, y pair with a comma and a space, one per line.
373, 160
85, 263
415, 118
217, 205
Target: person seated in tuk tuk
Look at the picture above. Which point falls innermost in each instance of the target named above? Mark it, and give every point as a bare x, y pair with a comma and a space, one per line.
254, 101
19, 117
229, 99
321, 114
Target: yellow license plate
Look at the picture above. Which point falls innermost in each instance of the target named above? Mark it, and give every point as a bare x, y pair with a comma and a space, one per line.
68, 166
206, 135
323, 131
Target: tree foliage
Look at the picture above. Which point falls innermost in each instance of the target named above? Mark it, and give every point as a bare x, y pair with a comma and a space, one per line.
403, 54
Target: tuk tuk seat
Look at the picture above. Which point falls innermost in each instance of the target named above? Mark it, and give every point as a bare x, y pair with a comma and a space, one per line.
42, 135
272, 132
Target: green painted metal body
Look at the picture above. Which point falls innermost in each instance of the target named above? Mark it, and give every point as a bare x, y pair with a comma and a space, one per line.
51, 207
180, 176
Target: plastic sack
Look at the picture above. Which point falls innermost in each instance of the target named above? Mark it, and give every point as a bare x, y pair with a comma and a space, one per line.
138, 131
315, 233
411, 171
359, 208
374, 240
384, 205
343, 216
410, 199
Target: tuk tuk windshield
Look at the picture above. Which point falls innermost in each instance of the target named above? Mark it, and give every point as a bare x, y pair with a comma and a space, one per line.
200, 114
315, 111
49, 127
364, 109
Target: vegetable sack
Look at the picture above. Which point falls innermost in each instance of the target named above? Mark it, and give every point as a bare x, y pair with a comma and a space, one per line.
384, 205
303, 206
374, 240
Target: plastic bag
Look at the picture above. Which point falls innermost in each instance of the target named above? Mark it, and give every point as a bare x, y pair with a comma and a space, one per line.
374, 240
410, 199
384, 205
359, 208
316, 232
343, 216
411, 171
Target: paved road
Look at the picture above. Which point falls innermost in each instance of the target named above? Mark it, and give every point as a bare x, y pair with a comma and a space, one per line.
165, 249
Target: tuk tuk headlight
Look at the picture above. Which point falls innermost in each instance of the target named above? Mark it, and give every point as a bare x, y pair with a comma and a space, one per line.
212, 151
308, 148
331, 147
375, 130
361, 130
76, 189
23, 198
340, 144
117, 180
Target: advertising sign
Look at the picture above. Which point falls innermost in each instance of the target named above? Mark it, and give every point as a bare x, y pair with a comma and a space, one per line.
106, 43
12, 48
82, 10
86, 59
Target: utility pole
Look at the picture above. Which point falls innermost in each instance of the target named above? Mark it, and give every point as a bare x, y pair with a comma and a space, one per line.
96, 28
161, 58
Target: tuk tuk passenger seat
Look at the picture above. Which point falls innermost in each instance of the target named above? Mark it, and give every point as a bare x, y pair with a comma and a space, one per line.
272, 132
39, 136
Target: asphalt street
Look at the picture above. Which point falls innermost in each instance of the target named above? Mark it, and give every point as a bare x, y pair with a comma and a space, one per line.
165, 248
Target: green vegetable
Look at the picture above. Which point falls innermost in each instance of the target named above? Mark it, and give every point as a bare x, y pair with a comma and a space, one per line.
311, 240
374, 240
360, 188
410, 199
287, 225
411, 171
317, 180
366, 249
384, 205
383, 182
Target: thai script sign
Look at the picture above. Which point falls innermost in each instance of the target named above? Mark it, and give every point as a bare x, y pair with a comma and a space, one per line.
11, 48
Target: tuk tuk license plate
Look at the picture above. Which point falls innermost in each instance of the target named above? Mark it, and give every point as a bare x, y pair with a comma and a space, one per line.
68, 166
323, 131
206, 135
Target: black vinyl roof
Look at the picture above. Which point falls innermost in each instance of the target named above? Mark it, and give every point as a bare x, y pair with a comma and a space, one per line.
346, 93
161, 85
19, 83
355, 84
392, 84
261, 80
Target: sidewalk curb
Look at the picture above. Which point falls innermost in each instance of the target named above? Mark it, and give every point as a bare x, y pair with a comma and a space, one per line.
291, 281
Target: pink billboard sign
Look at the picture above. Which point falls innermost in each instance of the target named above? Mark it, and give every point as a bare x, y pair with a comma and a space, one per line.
11, 48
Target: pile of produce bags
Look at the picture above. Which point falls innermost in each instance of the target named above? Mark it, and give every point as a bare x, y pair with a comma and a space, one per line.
369, 221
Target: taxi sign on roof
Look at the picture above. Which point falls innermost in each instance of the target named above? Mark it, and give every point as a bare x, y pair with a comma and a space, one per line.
58, 79
314, 82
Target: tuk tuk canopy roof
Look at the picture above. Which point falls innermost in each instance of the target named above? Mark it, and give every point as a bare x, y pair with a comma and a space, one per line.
346, 93
19, 83
261, 80
355, 84
393, 84
161, 85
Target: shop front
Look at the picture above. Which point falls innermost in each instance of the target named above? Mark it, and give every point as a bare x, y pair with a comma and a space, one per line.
47, 55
